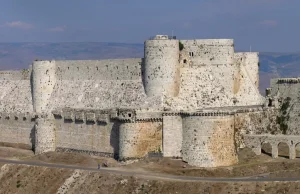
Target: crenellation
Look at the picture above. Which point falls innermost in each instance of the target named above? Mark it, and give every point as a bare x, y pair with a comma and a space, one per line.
68, 115
79, 116
90, 117
287, 80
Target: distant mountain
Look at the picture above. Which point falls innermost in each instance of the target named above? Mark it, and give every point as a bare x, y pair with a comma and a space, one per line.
274, 65
20, 55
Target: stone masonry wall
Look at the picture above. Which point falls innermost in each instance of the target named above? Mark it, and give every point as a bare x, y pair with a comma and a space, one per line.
15, 91
16, 110
16, 75
98, 138
251, 62
209, 141
202, 87
101, 94
245, 86
172, 135
257, 122
209, 86
92, 84
285, 95
111, 69
17, 128
138, 139
210, 51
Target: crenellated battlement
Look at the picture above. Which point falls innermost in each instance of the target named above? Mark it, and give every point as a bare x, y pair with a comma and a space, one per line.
18, 117
288, 80
93, 116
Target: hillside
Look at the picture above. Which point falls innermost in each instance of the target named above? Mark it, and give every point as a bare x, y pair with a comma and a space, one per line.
55, 172
20, 55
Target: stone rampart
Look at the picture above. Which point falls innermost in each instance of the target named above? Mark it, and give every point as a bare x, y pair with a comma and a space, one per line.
202, 87
250, 60
172, 135
95, 136
218, 84
285, 81
111, 69
17, 128
101, 95
209, 141
210, 51
15, 75
15, 91
122, 133
90, 84
245, 86
138, 139
87, 131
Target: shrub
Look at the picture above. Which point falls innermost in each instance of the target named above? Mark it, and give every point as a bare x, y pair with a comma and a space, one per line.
181, 46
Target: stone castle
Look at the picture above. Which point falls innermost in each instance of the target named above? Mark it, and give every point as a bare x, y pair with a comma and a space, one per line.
193, 99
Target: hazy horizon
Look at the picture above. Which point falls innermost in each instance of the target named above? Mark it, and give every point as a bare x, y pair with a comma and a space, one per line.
266, 25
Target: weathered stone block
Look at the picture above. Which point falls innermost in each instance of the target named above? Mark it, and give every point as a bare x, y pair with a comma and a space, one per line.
68, 115
79, 116
90, 116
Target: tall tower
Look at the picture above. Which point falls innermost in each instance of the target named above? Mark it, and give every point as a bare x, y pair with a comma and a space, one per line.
43, 81
161, 66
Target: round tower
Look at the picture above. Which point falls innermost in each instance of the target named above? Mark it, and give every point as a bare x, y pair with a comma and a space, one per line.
43, 81
208, 141
44, 135
161, 66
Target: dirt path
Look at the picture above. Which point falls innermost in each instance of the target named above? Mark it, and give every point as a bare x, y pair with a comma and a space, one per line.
152, 176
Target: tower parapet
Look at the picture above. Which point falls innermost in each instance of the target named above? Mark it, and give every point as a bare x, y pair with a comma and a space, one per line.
161, 66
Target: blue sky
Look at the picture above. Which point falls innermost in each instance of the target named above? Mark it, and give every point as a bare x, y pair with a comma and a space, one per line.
266, 25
